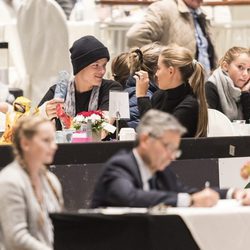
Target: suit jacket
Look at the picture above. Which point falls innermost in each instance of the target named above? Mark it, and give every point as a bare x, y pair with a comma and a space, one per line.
20, 211
120, 184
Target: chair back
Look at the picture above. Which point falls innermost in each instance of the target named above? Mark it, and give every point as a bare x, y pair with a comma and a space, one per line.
219, 124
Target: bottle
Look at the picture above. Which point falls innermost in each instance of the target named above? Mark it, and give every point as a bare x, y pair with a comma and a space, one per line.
62, 85
89, 130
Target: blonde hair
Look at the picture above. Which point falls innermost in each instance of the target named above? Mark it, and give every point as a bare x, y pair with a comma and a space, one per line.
233, 53
26, 127
192, 72
119, 68
145, 58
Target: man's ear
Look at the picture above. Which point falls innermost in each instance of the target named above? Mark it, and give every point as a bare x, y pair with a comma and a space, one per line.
224, 66
144, 140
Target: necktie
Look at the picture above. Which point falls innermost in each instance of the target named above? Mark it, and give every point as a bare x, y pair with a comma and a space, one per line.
152, 183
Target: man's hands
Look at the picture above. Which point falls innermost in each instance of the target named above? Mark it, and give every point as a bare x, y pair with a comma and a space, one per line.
242, 195
205, 198
51, 107
245, 170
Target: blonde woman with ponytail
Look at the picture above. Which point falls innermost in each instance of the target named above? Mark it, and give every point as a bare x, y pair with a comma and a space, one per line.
28, 191
181, 82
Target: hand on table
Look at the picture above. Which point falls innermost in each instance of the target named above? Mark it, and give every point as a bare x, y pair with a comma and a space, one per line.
245, 170
205, 198
242, 195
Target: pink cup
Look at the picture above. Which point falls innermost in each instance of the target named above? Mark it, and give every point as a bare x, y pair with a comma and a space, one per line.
79, 137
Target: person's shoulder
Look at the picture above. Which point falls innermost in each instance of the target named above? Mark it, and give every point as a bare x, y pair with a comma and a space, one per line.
49, 95
122, 163
164, 4
52, 88
210, 84
190, 101
54, 180
131, 82
120, 155
110, 84
11, 174
210, 87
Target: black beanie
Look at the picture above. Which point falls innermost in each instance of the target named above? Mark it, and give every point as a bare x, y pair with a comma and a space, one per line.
85, 51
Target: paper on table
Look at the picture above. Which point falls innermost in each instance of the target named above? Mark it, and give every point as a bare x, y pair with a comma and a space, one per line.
119, 102
115, 210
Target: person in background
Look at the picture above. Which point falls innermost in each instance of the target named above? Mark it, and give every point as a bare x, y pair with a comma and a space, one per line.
165, 22
28, 191
228, 88
181, 83
67, 6
146, 59
88, 90
119, 68
141, 177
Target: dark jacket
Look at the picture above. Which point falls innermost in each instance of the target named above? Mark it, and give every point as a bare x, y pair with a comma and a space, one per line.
120, 185
133, 108
180, 102
213, 100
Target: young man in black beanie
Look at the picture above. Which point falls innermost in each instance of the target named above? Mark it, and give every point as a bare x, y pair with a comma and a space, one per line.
87, 90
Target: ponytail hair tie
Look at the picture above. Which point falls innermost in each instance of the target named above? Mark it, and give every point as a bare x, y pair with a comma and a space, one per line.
140, 55
194, 61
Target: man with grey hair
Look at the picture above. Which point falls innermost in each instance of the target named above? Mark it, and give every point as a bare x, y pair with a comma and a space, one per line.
140, 178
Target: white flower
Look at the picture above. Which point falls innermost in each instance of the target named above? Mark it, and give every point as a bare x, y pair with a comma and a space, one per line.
79, 119
94, 118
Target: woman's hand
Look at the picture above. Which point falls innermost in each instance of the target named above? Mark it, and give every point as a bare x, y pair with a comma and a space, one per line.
246, 87
142, 83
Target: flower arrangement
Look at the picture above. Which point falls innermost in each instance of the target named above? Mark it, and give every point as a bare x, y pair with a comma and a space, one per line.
96, 118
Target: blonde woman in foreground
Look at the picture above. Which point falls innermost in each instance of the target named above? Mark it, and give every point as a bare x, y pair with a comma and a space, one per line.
28, 191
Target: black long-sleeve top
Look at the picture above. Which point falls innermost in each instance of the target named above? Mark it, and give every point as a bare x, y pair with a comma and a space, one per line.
213, 100
180, 102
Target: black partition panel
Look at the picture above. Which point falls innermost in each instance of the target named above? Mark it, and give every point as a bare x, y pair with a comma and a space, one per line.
123, 232
78, 180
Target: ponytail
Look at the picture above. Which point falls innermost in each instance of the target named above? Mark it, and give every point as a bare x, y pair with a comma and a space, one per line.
197, 82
